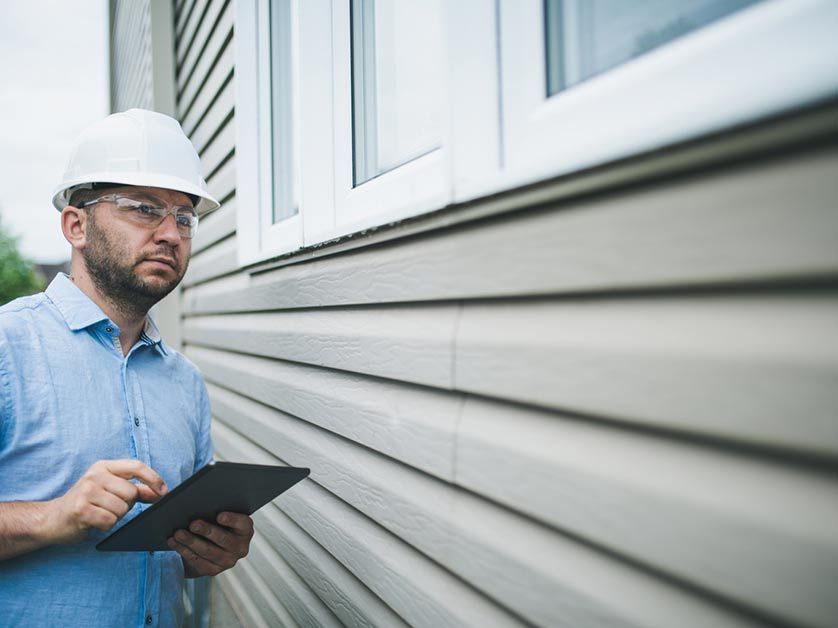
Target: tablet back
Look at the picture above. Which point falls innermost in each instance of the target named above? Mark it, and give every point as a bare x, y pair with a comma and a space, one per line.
218, 487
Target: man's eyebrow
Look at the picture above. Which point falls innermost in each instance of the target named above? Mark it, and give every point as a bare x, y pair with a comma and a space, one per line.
149, 196
143, 196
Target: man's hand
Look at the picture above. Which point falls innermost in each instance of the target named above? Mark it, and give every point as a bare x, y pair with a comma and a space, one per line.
209, 549
101, 497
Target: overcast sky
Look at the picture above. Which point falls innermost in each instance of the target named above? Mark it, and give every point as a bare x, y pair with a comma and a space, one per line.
54, 72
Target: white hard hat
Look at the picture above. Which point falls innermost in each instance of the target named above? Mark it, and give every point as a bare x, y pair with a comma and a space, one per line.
135, 147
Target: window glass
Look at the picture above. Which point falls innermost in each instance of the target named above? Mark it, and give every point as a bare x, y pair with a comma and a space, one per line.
587, 37
282, 140
397, 83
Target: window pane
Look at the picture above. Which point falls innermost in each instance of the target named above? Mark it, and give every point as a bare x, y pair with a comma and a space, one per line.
587, 37
282, 139
396, 83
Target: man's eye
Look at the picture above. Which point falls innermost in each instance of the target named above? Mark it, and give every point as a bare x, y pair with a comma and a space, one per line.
146, 210
184, 220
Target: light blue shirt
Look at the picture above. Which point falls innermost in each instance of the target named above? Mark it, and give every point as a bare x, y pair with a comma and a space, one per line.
68, 397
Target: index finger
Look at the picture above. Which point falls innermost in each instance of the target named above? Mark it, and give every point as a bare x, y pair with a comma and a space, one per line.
128, 469
239, 524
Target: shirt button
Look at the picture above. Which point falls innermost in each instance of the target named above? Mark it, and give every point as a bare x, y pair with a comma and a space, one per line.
109, 329
148, 619
137, 421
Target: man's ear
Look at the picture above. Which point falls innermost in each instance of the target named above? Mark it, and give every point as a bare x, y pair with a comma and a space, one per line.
74, 222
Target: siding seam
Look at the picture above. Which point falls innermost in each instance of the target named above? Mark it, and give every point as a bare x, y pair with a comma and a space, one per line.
453, 385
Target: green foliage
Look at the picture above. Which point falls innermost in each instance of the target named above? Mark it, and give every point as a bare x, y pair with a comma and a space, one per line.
17, 278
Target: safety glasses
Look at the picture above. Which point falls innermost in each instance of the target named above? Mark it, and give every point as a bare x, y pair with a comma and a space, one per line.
150, 212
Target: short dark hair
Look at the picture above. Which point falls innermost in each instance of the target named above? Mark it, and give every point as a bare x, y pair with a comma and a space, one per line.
82, 195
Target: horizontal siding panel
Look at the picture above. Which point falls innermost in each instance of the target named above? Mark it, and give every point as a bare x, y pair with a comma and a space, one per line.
200, 48
205, 28
702, 365
218, 225
349, 599
731, 367
404, 422
765, 515
223, 182
222, 285
185, 40
718, 519
219, 149
271, 611
215, 261
221, 109
212, 71
540, 574
239, 599
418, 589
185, 10
411, 344
756, 223
300, 601
222, 612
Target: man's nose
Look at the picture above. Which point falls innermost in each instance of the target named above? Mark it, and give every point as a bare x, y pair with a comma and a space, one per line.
167, 231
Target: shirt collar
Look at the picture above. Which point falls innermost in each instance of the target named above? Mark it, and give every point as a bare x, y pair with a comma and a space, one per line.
75, 306
80, 312
151, 335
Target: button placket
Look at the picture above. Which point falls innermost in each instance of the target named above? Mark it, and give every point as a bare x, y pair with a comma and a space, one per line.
137, 409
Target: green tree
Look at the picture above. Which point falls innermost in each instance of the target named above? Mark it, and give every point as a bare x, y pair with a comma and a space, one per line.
17, 277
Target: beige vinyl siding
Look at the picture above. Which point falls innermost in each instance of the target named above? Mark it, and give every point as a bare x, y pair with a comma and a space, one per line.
609, 408
631, 439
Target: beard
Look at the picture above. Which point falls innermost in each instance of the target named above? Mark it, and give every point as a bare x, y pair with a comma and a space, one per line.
112, 269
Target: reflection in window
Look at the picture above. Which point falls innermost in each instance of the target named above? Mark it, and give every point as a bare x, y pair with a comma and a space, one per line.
397, 83
587, 37
282, 137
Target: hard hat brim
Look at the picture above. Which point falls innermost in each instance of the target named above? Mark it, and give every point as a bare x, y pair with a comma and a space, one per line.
206, 203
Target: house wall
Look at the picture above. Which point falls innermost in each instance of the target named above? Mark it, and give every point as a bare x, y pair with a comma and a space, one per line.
603, 401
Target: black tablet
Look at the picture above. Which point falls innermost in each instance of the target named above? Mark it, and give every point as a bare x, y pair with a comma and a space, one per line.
218, 487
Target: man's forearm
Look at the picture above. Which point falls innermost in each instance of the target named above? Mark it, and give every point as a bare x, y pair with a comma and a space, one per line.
23, 527
100, 498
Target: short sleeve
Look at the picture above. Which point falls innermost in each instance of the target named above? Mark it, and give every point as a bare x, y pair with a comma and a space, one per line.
5, 395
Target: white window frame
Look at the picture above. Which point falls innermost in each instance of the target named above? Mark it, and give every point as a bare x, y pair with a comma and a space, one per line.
258, 237
498, 116
475, 151
786, 49
415, 187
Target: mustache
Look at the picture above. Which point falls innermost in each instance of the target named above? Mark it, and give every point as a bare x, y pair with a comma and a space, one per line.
163, 254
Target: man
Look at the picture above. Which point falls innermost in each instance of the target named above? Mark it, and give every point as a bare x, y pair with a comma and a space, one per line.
98, 416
